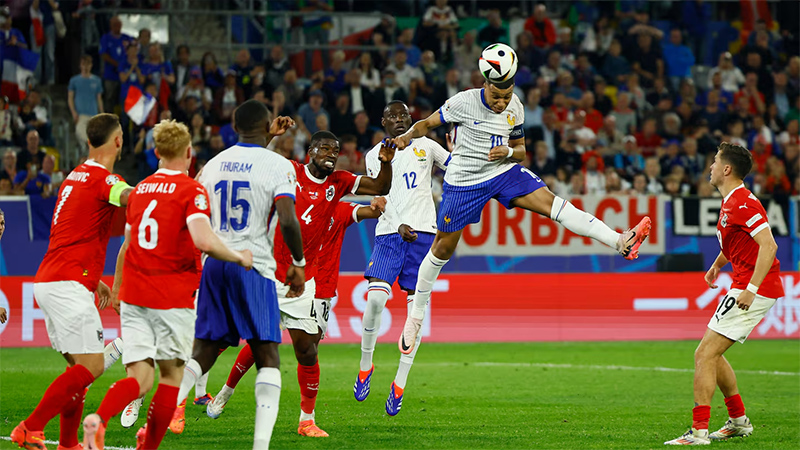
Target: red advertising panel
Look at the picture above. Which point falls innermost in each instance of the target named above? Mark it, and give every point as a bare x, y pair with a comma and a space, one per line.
501, 308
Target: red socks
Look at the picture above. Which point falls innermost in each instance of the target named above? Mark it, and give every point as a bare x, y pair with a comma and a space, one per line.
63, 390
308, 378
162, 407
244, 361
735, 406
71, 417
700, 417
117, 398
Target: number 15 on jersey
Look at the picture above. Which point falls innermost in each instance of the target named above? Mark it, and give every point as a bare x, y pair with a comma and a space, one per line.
234, 204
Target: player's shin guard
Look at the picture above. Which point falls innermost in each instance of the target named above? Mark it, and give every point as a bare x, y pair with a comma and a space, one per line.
582, 223
71, 417
268, 396
191, 373
162, 407
66, 388
428, 272
117, 398
377, 296
308, 378
244, 361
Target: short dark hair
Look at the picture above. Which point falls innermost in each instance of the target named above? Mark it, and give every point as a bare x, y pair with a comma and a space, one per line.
740, 158
182, 47
100, 128
394, 102
250, 116
320, 135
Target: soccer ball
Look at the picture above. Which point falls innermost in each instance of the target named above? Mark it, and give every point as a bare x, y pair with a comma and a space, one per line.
498, 64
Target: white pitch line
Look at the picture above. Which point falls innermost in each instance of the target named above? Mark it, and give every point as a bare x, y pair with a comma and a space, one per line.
6, 438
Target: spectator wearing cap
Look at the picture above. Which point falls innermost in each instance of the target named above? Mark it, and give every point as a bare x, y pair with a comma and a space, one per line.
541, 28
183, 69
678, 58
647, 60
309, 111
494, 31
227, 98
615, 66
85, 99
113, 47
731, 76
629, 161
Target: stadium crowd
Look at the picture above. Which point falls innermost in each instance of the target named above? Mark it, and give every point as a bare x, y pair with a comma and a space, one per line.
614, 104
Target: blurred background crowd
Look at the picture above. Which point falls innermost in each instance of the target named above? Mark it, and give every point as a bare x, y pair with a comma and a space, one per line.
621, 97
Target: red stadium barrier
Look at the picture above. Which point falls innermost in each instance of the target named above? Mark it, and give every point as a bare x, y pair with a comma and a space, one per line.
501, 308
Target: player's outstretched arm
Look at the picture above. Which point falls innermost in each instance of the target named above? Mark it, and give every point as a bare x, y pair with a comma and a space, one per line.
381, 184
290, 229
713, 272
209, 243
767, 248
514, 151
418, 130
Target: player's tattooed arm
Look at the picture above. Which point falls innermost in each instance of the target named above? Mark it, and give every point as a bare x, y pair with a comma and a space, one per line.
767, 248
381, 184
290, 228
713, 272
514, 151
418, 130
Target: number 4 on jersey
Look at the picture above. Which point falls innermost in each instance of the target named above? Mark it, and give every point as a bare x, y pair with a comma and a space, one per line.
307, 215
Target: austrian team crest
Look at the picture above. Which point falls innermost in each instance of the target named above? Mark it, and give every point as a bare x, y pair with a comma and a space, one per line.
329, 193
201, 202
112, 180
723, 220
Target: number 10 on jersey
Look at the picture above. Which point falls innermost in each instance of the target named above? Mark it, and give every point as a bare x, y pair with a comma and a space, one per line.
239, 193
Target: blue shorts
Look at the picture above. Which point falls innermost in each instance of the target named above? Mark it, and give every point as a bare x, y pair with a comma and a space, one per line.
396, 259
234, 304
462, 205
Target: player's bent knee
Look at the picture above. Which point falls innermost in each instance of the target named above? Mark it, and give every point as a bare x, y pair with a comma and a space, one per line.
92, 362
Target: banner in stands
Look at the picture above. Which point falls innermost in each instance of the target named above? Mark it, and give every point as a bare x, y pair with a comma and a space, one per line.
693, 216
518, 232
500, 308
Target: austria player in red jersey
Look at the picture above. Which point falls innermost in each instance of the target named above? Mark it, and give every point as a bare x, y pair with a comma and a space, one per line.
68, 278
746, 241
168, 216
319, 189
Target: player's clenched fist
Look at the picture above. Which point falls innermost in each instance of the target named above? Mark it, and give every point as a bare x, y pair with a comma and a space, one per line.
246, 260
401, 141
499, 152
378, 203
280, 125
296, 280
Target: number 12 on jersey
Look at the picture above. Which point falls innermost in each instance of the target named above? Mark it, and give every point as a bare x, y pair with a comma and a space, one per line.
239, 192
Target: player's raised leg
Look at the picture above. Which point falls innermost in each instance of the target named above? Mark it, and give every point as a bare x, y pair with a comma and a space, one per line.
244, 361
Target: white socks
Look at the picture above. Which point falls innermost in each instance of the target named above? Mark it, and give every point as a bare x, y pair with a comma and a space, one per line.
580, 223
268, 396
428, 272
407, 360
191, 373
377, 296
200, 386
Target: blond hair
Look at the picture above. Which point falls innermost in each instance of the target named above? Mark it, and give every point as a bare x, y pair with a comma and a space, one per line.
171, 138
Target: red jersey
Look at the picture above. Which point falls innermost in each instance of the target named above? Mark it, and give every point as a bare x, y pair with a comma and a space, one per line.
162, 266
81, 226
315, 203
328, 261
742, 217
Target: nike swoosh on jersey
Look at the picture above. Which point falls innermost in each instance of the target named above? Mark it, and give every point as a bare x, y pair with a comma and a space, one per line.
477, 122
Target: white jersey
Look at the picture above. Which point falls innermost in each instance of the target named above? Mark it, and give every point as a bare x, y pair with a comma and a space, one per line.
410, 200
243, 183
477, 130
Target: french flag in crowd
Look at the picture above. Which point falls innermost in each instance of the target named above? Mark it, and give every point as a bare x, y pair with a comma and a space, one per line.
18, 67
138, 105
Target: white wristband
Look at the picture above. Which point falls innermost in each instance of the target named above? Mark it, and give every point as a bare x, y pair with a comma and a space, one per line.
301, 263
510, 152
752, 288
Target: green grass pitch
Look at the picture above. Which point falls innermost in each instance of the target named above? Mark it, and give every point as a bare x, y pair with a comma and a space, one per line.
531, 395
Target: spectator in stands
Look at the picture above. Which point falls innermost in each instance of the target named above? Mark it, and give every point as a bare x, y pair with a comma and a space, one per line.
568, 157
639, 185
280, 107
528, 55
791, 158
533, 111
598, 38
671, 128
308, 112
10, 36
652, 170
215, 146
712, 112
615, 66
441, 18
130, 73
363, 131
452, 86
432, 73
629, 161
213, 77
201, 133
641, 25
350, 158
156, 68
370, 75
732, 76
691, 160
648, 139
609, 135
465, 55
587, 138
577, 184
9, 123
761, 45
227, 99
754, 64
542, 164
391, 89
276, 66
593, 176
552, 68
85, 99
696, 15
755, 99
382, 54
245, 71
335, 74
603, 102
33, 181
793, 73
570, 91
341, 120
494, 31
316, 29
406, 76
183, 69
293, 93
568, 50
113, 51
144, 43
541, 28
647, 60
44, 40
584, 73
197, 90
783, 93
9, 169
791, 136
777, 182
678, 58
32, 154
594, 119
626, 119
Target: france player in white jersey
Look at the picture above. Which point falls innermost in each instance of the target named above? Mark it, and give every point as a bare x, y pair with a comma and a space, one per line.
489, 142
403, 236
247, 185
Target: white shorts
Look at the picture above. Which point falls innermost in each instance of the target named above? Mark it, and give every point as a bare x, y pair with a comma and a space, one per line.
158, 334
734, 323
71, 317
304, 312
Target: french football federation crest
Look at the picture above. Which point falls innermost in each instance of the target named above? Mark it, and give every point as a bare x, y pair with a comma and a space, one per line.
112, 180
512, 119
201, 202
329, 193
419, 152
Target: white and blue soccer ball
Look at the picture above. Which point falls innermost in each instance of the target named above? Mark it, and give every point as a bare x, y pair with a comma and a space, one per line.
498, 63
